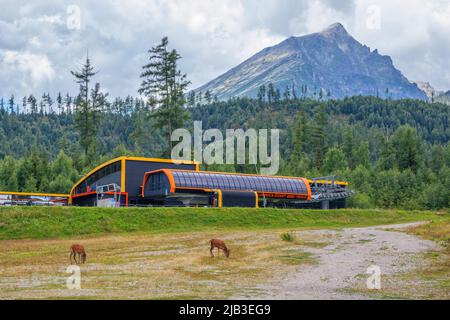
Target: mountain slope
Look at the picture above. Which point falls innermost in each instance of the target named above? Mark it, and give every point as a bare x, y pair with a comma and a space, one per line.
443, 97
330, 60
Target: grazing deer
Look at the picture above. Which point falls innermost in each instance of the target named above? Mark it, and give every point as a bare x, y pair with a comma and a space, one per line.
77, 249
220, 245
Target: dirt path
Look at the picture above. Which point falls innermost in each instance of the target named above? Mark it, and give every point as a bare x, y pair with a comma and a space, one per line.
341, 266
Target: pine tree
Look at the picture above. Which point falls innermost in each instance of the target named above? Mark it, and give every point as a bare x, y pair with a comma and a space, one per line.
24, 104
208, 97
348, 146
11, 104
33, 104
270, 93
287, 93
293, 93
319, 139
300, 135
277, 96
262, 93
98, 104
68, 103
41, 107
164, 86
49, 103
59, 103
85, 113
407, 148
191, 98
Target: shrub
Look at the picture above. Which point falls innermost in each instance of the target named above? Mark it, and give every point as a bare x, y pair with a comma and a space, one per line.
287, 236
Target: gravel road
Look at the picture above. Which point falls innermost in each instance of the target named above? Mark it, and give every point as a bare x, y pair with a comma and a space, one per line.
342, 264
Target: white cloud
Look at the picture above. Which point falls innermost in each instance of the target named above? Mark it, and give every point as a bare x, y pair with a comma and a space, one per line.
211, 35
25, 69
415, 34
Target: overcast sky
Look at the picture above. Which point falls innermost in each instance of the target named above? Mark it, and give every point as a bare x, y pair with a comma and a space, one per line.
40, 41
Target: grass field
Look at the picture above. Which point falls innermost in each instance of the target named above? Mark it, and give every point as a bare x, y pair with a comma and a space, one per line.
159, 253
60, 222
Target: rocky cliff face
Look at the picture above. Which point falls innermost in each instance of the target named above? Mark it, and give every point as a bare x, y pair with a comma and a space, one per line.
331, 61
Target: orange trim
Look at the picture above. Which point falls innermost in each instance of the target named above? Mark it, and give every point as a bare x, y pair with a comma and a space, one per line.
308, 187
241, 174
123, 173
264, 193
168, 174
84, 194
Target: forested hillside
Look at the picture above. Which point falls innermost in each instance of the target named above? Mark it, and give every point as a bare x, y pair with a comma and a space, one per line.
395, 153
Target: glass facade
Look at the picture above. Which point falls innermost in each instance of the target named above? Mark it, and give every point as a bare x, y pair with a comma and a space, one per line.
106, 175
204, 180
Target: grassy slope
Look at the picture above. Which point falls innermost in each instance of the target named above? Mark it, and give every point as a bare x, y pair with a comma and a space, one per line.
55, 222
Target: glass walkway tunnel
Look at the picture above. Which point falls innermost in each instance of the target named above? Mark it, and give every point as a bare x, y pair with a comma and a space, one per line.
220, 189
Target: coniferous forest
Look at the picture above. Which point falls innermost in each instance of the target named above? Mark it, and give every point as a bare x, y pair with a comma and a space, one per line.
394, 153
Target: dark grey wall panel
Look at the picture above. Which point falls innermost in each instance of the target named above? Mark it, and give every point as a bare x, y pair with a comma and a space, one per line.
135, 171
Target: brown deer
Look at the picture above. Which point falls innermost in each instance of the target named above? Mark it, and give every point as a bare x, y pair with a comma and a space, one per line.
220, 245
77, 249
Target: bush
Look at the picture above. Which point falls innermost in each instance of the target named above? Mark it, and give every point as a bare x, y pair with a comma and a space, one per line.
288, 236
360, 200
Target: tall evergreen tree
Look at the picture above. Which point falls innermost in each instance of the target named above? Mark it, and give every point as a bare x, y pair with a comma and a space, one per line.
11, 104
270, 93
33, 104
208, 97
262, 93
59, 103
164, 86
68, 103
191, 98
348, 146
84, 116
300, 135
319, 139
407, 148
24, 104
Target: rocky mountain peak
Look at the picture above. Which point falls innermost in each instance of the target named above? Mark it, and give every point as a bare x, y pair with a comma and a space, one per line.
335, 29
329, 63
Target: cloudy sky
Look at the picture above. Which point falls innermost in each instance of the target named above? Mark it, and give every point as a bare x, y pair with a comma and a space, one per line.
40, 41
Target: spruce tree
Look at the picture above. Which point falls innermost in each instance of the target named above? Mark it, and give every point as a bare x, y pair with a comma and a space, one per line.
59, 102
208, 97
261, 93
88, 104
164, 86
319, 139
300, 136
270, 93
11, 104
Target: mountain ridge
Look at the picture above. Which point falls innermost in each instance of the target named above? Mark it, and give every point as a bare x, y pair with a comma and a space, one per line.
331, 61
